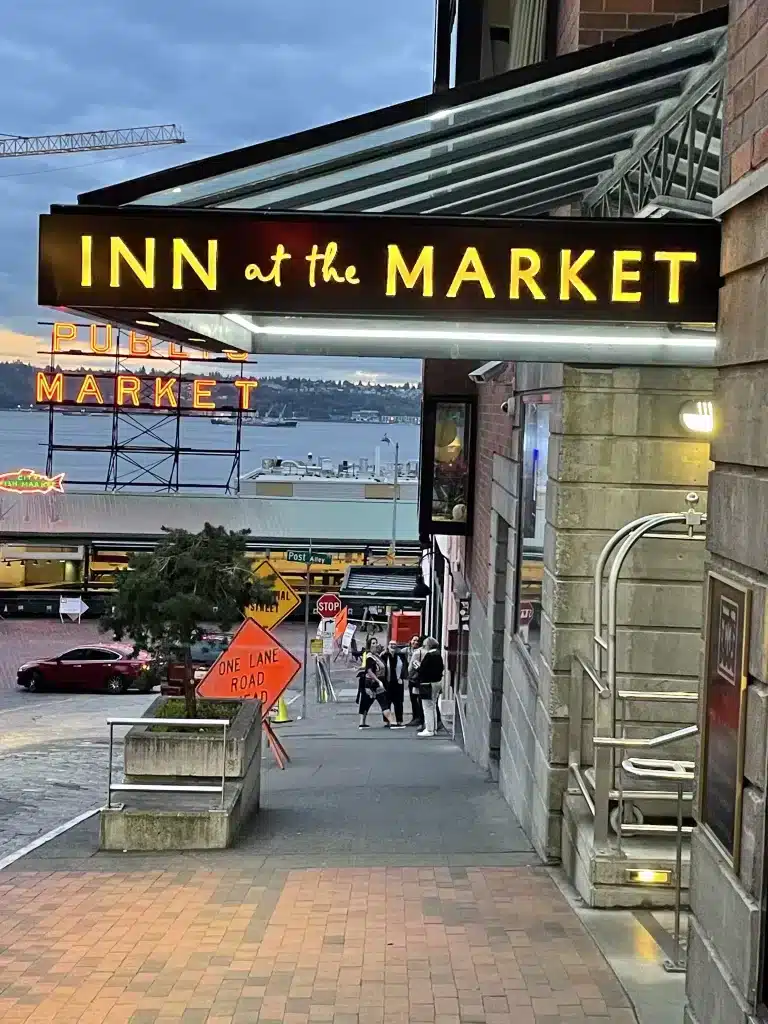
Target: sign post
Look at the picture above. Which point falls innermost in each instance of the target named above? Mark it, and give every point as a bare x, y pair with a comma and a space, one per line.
306, 634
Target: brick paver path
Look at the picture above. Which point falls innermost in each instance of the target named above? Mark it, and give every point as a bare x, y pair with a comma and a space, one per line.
444, 945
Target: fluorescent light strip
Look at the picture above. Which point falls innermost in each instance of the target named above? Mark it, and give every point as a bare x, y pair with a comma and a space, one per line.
386, 333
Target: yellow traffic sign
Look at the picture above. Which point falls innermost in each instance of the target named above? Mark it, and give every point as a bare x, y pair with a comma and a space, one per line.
286, 598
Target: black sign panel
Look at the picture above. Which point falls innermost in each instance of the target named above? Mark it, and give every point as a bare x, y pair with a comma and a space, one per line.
197, 261
728, 609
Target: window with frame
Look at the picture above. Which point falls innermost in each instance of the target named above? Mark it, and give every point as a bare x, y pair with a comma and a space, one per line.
533, 500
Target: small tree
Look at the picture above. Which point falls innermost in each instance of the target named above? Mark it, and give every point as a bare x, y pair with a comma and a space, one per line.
165, 598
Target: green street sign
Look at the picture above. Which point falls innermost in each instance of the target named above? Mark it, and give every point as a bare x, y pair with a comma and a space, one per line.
318, 557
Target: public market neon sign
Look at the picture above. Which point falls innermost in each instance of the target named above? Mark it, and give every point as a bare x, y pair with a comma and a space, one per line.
356, 265
138, 391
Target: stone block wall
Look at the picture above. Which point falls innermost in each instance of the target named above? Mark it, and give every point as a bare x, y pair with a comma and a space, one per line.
724, 971
617, 451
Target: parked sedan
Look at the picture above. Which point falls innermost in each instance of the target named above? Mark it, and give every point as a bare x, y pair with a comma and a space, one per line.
111, 667
202, 655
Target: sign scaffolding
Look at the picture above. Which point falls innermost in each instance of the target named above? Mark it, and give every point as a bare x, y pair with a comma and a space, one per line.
144, 412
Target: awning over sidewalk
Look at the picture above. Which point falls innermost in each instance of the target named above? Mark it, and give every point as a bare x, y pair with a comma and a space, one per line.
524, 143
395, 586
518, 143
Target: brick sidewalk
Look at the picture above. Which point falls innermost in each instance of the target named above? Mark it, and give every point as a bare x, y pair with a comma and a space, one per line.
346, 945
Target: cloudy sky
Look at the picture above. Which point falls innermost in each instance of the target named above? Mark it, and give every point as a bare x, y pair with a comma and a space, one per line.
228, 72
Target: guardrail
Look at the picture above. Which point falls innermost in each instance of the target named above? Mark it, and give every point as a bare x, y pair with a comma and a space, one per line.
199, 723
602, 782
679, 772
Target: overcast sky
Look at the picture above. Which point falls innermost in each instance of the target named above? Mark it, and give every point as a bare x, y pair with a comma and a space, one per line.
229, 72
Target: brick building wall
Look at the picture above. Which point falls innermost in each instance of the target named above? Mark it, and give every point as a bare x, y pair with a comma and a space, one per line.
746, 104
494, 437
589, 22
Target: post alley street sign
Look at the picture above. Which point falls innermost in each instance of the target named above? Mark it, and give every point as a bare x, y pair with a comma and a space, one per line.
197, 261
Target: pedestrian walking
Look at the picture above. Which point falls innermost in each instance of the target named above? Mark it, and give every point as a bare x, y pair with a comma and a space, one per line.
414, 660
395, 672
371, 689
430, 678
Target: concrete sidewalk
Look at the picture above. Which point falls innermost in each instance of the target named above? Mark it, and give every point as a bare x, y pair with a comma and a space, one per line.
384, 882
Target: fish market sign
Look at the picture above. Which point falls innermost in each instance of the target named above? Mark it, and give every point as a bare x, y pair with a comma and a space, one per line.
28, 481
201, 261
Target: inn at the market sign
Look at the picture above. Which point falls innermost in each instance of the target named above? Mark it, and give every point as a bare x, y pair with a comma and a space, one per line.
201, 261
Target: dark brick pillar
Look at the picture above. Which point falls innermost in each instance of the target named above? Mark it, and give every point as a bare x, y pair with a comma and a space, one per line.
746, 105
589, 22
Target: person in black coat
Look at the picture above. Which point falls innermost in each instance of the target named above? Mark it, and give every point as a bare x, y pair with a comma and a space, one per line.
395, 671
430, 677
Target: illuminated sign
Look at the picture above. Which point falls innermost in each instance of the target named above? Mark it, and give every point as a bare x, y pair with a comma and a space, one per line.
28, 481
631, 271
101, 340
141, 391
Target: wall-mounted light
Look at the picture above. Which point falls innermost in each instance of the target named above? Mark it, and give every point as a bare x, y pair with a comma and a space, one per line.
148, 323
647, 876
698, 417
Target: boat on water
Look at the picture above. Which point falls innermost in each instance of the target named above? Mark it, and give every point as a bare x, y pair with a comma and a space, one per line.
254, 420
318, 477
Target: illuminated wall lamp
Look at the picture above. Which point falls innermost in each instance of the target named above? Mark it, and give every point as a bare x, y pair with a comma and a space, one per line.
698, 417
148, 323
647, 876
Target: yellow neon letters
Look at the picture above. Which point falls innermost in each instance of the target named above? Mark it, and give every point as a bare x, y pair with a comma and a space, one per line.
569, 275
253, 271
621, 276
675, 261
423, 268
524, 265
470, 269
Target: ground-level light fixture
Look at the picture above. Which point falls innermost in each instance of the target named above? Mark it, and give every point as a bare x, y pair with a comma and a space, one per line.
698, 417
648, 876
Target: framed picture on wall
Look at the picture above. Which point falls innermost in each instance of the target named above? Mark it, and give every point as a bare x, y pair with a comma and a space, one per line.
726, 653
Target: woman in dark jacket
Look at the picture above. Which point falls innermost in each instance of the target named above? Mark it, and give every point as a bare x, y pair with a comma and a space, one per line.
430, 677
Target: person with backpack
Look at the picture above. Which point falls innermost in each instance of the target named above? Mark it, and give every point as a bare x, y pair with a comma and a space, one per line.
371, 689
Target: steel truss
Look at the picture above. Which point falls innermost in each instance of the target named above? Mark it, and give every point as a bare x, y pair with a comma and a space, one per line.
675, 167
144, 449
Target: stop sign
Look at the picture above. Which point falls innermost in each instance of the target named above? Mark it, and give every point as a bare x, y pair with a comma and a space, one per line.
328, 605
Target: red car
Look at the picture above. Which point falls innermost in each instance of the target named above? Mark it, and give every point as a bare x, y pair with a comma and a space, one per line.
108, 667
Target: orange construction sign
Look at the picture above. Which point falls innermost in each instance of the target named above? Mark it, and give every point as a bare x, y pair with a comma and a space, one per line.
340, 623
254, 666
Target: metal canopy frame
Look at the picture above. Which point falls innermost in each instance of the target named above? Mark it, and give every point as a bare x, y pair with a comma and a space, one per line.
520, 142
585, 127
675, 167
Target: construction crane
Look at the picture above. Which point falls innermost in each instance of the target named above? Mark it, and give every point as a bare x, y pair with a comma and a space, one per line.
84, 142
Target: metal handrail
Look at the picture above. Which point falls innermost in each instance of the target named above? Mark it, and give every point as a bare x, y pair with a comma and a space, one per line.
199, 723
645, 743
678, 964
670, 696
597, 682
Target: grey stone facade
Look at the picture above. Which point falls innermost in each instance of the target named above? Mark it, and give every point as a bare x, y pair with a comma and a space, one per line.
617, 451
725, 941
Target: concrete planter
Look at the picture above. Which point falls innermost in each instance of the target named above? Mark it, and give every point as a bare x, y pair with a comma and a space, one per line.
154, 821
190, 754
